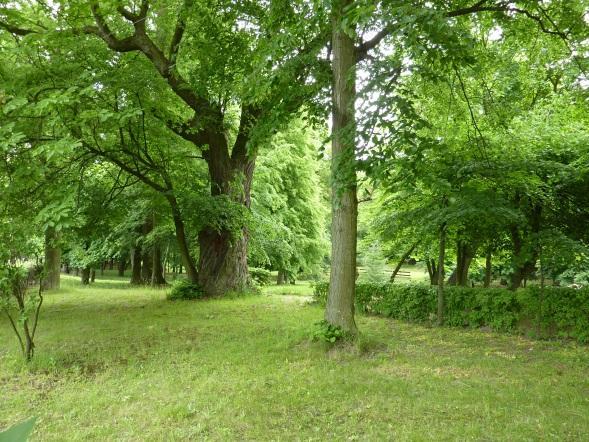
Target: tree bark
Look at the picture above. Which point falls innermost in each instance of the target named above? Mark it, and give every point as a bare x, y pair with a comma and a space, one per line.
342, 285
442, 257
52, 259
92, 275
146, 252
222, 265
281, 278
402, 260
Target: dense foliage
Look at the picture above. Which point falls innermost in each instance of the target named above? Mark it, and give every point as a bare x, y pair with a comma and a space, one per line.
539, 312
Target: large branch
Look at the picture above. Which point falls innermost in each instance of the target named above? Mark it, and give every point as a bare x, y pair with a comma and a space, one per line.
140, 41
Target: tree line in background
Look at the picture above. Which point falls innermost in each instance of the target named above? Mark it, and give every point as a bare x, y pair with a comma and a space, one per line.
185, 135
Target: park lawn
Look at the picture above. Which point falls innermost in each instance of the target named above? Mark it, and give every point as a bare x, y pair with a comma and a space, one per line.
123, 363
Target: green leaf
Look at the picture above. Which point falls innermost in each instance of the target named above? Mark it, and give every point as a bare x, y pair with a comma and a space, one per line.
19, 432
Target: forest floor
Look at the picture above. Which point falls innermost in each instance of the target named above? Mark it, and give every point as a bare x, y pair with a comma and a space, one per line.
121, 363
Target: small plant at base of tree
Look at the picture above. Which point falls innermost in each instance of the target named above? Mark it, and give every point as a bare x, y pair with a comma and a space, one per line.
326, 332
184, 290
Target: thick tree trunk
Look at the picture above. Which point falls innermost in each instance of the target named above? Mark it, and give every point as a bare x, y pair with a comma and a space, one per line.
488, 268
281, 278
85, 276
92, 275
52, 259
402, 261
222, 264
136, 266
342, 284
442, 257
146, 253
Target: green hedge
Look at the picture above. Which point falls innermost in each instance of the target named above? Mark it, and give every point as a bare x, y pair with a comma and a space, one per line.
552, 312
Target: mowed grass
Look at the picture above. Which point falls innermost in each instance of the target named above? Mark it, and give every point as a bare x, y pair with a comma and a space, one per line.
120, 363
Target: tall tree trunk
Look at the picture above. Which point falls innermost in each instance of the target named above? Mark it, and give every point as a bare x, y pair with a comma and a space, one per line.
281, 278
52, 259
465, 251
442, 257
525, 248
401, 261
344, 206
136, 266
488, 268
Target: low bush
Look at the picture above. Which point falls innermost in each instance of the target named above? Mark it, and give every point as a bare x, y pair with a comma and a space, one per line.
183, 289
261, 277
548, 312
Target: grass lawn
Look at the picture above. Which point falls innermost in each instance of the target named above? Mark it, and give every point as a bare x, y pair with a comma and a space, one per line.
120, 363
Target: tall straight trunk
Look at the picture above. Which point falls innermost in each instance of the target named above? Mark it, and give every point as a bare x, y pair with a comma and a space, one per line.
488, 268
401, 261
52, 259
344, 206
440, 290
136, 266
281, 278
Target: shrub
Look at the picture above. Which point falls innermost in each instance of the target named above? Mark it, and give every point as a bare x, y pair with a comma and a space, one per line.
324, 331
548, 312
261, 276
183, 289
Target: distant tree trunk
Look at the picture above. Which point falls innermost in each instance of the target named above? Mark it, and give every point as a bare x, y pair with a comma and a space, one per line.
525, 249
402, 260
432, 271
52, 259
157, 276
465, 252
102, 268
182, 240
281, 278
111, 264
121, 265
488, 268
92, 275
136, 266
442, 257
342, 286
76, 271
67, 269
85, 276
147, 253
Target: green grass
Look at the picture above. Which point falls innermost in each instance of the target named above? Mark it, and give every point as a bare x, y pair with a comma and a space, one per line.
120, 363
